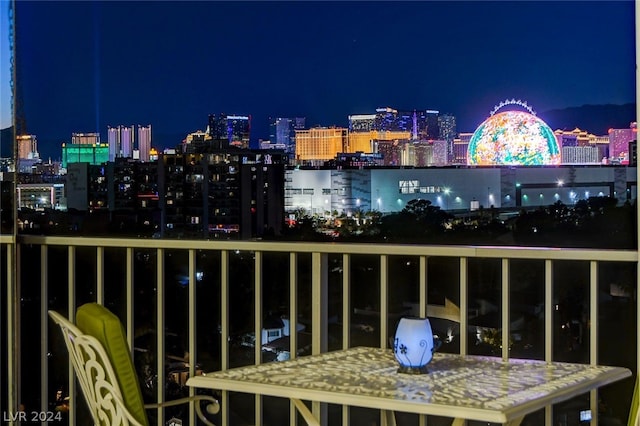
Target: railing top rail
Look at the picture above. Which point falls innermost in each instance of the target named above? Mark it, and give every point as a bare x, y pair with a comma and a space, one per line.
511, 252
7, 239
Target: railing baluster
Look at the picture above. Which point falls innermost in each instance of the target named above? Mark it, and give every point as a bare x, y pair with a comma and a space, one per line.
505, 309
160, 361
319, 300
129, 296
549, 308
464, 305
293, 323
257, 329
44, 331
224, 329
422, 282
100, 275
71, 296
346, 318
192, 330
384, 312
593, 333
13, 323
346, 301
384, 301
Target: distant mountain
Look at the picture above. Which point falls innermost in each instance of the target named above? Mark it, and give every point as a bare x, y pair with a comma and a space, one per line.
6, 142
596, 119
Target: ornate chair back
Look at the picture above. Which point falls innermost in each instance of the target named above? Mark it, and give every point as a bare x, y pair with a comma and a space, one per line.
102, 361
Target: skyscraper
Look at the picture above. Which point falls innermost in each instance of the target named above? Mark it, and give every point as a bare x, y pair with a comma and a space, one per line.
362, 122
121, 140
144, 142
239, 130
27, 147
235, 129
319, 144
127, 138
85, 138
433, 130
282, 131
113, 140
447, 132
619, 140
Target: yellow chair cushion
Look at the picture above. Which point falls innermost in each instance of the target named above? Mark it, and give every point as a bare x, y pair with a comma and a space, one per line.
99, 322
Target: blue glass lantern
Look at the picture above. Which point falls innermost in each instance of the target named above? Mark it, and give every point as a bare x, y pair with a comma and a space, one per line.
413, 345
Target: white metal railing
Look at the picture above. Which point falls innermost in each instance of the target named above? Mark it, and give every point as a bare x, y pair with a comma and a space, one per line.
319, 253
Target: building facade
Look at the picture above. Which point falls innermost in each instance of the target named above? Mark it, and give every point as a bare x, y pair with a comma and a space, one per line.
121, 141
27, 147
453, 188
282, 133
85, 138
319, 144
619, 140
366, 141
84, 153
224, 194
144, 142
236, 129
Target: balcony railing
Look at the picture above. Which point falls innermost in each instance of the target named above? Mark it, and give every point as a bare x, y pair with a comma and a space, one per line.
552, 304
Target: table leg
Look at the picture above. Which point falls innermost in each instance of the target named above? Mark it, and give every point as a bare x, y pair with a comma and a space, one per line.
389, 418
305, 413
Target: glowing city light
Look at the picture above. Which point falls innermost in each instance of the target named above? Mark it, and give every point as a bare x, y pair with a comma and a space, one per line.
513, 138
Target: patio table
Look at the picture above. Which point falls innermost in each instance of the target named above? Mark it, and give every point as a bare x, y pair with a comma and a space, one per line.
461, 387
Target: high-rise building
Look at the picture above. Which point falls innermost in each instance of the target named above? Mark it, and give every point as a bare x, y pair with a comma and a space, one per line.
85, 138
365, 141
386, 119
144, 142
84, 153
235, 129
362, 122
239, 130
578, 138
421, 125
127, 141
217, 127
221, 194
121, 141
319, 144
282, 132
27, 147
113, 140
460, 148
394, 153
580, 155
619, 140
448, 132
432, 119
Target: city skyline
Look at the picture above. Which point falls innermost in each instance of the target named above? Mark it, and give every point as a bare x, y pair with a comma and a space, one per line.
285, 59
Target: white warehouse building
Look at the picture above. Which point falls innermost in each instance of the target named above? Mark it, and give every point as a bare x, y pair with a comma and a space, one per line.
457, 188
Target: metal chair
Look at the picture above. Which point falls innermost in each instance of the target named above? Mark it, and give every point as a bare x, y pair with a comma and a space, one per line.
634, 411
102, 362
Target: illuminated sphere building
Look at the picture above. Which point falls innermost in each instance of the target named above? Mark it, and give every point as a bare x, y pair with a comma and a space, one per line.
513, 138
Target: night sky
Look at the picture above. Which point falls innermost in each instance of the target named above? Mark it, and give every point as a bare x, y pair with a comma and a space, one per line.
86, 65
